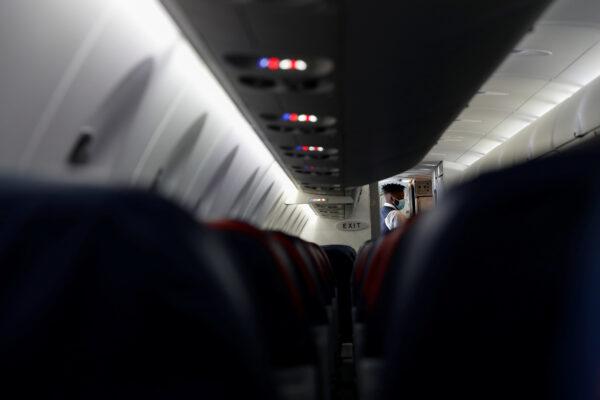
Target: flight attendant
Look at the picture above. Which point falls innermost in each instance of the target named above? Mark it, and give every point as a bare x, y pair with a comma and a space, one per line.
391, 215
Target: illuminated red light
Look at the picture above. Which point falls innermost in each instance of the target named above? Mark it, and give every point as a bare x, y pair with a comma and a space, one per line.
294, 117
273, 63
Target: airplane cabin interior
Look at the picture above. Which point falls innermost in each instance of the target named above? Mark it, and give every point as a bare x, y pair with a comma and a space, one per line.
300, 199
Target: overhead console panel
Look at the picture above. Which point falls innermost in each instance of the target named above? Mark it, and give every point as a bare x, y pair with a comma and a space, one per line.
348, 92
410, 68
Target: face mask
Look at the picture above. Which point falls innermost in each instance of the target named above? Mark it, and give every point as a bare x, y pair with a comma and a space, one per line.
399, 204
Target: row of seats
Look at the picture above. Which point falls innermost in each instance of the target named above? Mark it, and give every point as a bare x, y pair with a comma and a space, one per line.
108, 293
494, 294
120, 294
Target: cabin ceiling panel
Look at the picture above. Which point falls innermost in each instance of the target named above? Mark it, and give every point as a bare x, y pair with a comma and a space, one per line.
478, 120
457, 141
469, 158
528, 86
506, 93
574, 12
443, 153
566, 43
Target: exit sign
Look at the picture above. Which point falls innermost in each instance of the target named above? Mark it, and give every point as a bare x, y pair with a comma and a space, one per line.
352, 226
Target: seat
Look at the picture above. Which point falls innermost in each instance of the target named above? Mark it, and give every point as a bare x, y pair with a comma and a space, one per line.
361, 268
283, 318
319, 300
306, 276
271, 282
119, 294
486, 301
373, 301
342, 261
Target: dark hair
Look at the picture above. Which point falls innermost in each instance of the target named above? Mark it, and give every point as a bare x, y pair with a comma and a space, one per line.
392, 188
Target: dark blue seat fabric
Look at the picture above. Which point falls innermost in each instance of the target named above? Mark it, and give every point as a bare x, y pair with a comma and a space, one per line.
108, 294
346, 250
342, 261
485, 299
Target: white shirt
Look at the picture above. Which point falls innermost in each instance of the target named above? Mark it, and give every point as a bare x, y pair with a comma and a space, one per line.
394, 218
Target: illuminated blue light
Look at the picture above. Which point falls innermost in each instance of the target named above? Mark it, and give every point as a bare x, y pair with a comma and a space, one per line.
286, 116
263, 63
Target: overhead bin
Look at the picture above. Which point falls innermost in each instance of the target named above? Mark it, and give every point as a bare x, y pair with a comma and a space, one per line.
424, 61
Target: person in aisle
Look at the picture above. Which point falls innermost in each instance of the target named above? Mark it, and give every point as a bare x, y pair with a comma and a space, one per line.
391, 215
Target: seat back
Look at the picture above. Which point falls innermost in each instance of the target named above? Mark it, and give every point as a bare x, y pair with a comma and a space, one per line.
274, 287
485, 299
342, 261
119, 294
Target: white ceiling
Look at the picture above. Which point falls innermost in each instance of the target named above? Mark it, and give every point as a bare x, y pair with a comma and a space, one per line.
525, 87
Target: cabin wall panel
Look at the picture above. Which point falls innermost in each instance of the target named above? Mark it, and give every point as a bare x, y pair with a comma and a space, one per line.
237, 177
276, 217
270, 206
71, 69
568, 121
571, 123
42, 44
275, 212
164, 93
281, 222
89, 103
541, 140
519, 148
179, 118
261, 213
588, 115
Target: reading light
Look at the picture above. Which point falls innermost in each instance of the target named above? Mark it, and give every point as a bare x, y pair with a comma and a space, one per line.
310, 148
263, 63
294, 117
301, 65
287, 64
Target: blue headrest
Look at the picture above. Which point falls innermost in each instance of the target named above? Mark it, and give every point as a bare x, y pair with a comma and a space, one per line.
118, 294
490, 283
340, 248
